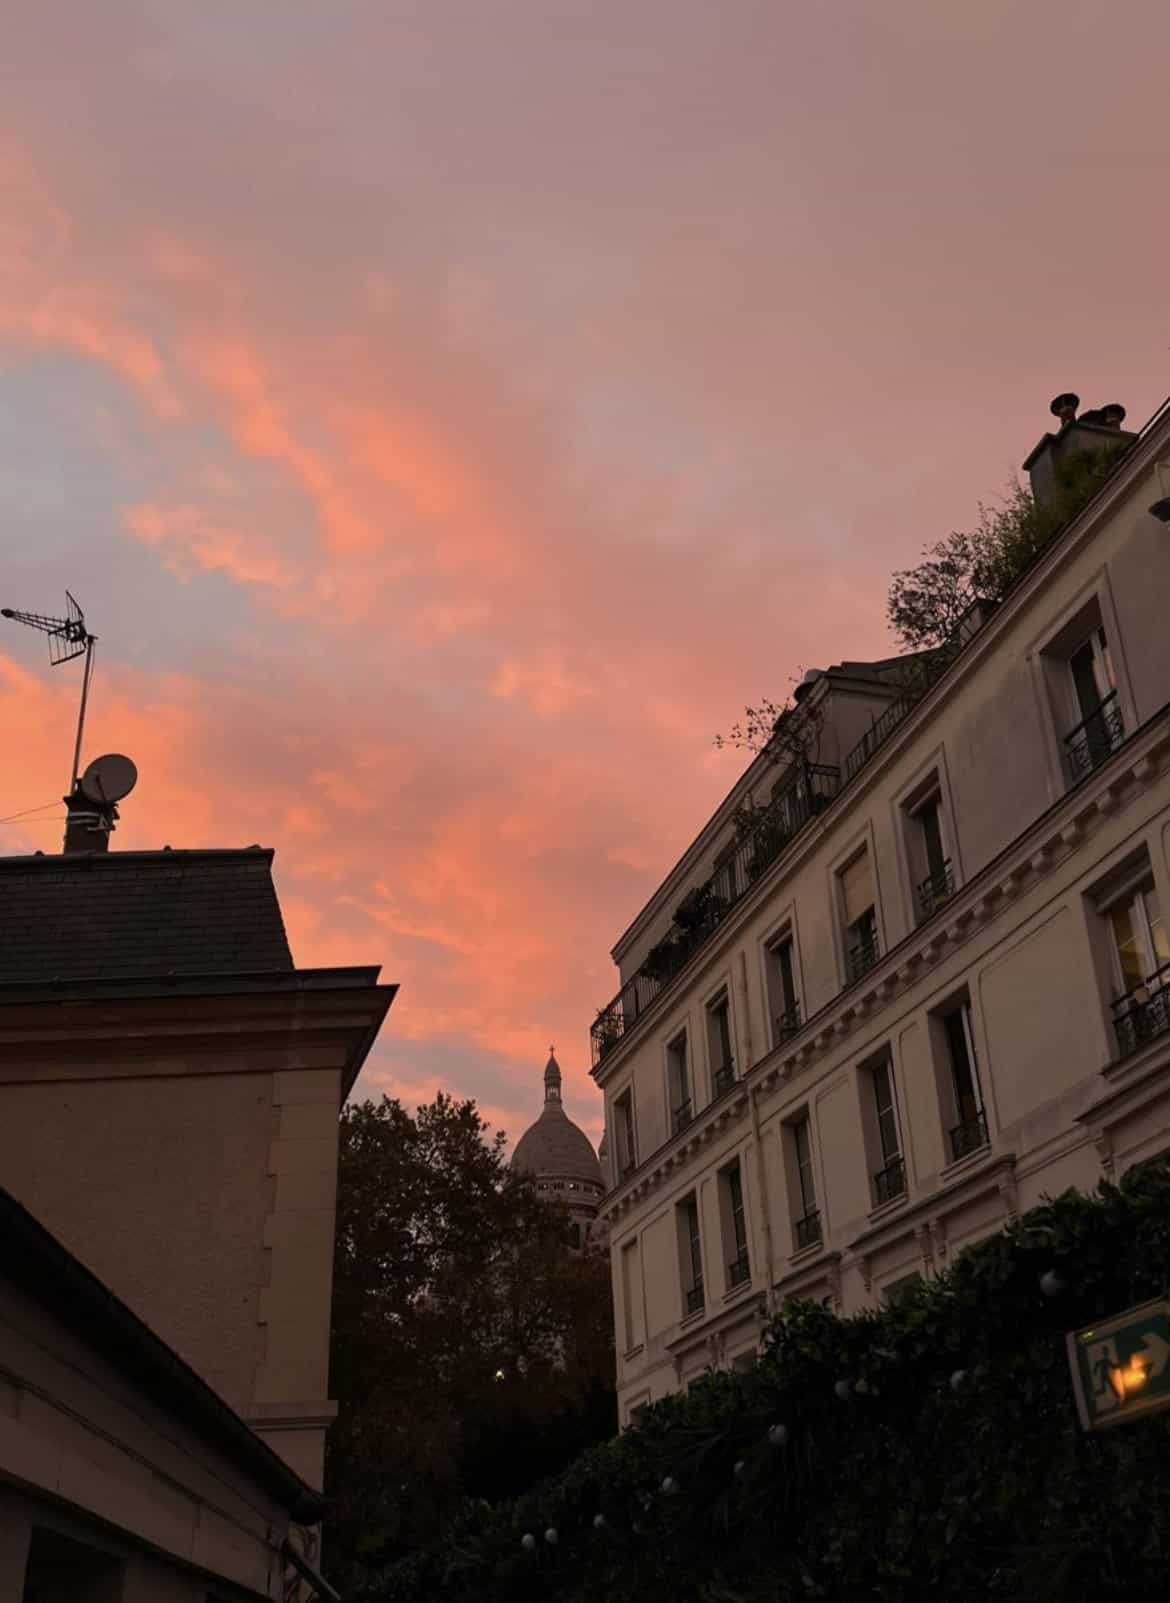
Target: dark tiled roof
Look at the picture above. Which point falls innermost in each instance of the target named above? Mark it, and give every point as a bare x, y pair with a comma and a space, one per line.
130, 914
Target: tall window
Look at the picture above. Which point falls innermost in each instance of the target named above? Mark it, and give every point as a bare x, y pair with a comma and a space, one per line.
735, 1227
807, 1228
726, 884
969, 1132
632, 1294
679, 1082
889, 1179
930, 864
721, 1057
623, 1117
859, 915
1141, 967
1097, 725
785, 1007
691, 1253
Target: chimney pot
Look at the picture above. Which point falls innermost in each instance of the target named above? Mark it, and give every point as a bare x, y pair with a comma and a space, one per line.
1065, 407
1113, 415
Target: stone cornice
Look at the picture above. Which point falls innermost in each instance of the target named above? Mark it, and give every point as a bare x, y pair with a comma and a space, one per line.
1050, 839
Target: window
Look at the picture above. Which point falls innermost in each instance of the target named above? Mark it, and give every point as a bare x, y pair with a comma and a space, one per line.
678, 1082
720, 1055
734, 1226
782, 998
623, 1117
632, 1295
807, 1228
743, 1363
860, 917
1140, 951
691, 1255
889, 1179
967, 1120
1097, 727
726, 879
930, 864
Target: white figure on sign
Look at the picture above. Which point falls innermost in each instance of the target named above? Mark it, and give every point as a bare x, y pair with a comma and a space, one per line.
1104, 1368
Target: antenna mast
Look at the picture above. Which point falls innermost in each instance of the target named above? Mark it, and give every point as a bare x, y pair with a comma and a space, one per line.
68, 638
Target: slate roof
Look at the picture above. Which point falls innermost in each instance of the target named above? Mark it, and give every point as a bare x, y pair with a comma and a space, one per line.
119, 915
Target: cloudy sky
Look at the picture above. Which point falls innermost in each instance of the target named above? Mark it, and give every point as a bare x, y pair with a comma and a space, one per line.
450, 412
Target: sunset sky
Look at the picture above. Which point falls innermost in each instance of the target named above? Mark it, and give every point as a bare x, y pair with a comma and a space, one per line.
450, 412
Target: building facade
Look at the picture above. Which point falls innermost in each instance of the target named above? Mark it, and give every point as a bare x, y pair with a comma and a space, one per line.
560, 1158
123, 1477
926, 980
170, 1085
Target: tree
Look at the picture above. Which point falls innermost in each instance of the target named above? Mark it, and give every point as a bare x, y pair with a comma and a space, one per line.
463, 1326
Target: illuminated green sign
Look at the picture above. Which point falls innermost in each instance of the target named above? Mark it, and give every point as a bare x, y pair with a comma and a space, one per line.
1121, 1366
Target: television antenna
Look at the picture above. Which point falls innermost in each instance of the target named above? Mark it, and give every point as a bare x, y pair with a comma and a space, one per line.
68, 638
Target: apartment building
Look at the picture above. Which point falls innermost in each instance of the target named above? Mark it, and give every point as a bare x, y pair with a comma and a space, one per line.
925, 978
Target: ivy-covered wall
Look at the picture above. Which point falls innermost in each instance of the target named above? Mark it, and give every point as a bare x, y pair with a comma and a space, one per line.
929, 1451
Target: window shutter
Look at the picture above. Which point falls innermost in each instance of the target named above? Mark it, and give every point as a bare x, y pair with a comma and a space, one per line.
857, 887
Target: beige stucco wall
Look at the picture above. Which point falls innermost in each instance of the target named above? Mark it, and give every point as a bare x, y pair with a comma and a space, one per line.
1024, 941
85, 1454
186, 1152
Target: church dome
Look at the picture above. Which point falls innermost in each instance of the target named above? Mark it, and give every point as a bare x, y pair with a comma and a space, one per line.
554, 1146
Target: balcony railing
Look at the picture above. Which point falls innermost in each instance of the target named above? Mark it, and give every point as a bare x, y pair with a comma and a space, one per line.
788, 1023
1143, 1013
723, 1079
968, 1136
681, 1116
694, 1298
890, 1182
806, 1232
704, 908
918, 680
739, 1270
1095, 739
863, 955
935, 889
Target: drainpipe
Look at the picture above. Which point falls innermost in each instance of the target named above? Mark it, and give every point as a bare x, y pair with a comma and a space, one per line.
322, 1591
761, 1178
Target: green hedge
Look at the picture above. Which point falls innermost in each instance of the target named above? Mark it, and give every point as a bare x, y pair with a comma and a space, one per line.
954, 1468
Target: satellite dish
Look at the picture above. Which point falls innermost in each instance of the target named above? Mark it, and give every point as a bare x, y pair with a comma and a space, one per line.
109, 778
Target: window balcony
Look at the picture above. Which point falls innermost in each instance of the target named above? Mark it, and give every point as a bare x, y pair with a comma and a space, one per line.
890, 1182
723, 1079
1094, 740
705, 907
968, 1136
1143, 1013
681, 1116
934, 890
806, 1232
788, 1023
694, 1298
739, 1271
863, 956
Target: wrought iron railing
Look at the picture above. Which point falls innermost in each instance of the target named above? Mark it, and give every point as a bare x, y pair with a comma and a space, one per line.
890, 1182
704, 908
681, 1116
863, 954
1095, 739
919, 677
935, 889
723, 1079
806, 1232
968, 1136
739, 1270
787, 1023
1143, 1013
695, 1298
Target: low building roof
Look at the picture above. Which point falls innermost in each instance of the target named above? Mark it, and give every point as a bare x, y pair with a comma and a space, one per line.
118, 915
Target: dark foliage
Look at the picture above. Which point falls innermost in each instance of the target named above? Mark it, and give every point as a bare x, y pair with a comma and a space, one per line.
955, 1467
472, 1350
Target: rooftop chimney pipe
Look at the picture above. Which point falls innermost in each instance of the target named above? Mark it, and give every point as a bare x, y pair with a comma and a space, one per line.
88, 823
1065, 407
